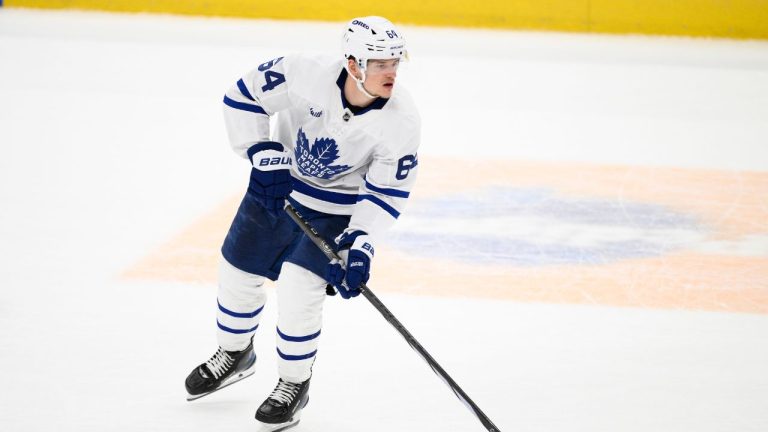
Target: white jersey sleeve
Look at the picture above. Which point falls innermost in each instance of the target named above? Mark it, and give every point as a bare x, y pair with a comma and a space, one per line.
252, 100
387, 184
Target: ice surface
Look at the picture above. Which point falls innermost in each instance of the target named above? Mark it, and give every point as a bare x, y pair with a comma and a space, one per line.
587, 249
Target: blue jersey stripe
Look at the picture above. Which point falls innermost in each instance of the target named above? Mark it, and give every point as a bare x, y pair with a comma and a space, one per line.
235, 331
244, 106
385, 191
378, 201
244, 90
295, 357
238, 314
285, 337
332, 197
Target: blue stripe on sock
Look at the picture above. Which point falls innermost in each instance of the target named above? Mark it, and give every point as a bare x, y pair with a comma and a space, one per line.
235, 331
295, 357
238, 314
285, 337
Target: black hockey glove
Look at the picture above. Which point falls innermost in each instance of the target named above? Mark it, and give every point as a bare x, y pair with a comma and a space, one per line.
271, 179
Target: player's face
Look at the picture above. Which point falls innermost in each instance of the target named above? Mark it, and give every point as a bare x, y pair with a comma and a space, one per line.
380, 76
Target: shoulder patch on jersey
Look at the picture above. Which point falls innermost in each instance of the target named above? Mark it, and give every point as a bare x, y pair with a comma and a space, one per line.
316, 160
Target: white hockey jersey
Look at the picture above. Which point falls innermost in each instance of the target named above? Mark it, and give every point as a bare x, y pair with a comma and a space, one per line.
363, 164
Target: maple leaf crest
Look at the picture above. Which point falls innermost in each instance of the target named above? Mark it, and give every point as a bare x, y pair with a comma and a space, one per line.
316, 160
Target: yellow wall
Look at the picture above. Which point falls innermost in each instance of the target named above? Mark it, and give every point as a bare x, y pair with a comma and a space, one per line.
720, 18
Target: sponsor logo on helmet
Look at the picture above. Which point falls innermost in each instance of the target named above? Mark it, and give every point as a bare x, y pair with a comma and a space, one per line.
361, 24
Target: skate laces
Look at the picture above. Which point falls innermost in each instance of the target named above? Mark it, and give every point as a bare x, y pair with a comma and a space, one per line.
285, 392
219, 363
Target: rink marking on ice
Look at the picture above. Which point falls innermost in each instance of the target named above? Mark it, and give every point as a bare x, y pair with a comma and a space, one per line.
557, 233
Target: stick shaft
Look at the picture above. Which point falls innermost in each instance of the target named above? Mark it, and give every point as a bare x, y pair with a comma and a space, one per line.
368, 294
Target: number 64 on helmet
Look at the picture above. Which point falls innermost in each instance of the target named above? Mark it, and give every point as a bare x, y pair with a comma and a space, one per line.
372, 38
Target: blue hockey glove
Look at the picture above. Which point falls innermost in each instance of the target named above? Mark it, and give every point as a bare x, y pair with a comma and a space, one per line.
271, 179
356, 251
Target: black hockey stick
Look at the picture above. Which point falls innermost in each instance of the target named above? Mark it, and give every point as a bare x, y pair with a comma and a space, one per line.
328, 251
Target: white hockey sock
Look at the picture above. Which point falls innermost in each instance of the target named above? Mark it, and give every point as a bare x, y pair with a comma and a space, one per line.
241, 299
300, 296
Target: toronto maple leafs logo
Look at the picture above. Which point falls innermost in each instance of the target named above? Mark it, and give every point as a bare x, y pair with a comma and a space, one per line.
316, 160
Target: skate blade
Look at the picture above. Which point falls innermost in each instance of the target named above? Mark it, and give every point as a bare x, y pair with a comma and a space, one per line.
266, 427
228, 382
277, 427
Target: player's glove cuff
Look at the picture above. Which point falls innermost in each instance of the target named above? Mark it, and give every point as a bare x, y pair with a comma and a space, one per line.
271, 180
269, 156
358, 240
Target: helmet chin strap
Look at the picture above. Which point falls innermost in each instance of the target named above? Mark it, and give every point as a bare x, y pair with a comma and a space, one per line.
360, 82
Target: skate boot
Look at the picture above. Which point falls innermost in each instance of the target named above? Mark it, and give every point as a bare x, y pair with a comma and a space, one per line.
282, 408
221, 370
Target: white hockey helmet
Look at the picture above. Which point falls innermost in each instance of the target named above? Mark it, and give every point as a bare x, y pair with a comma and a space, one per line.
372, 38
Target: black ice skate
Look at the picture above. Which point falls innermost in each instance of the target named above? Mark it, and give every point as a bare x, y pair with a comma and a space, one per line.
221, 370
282, 408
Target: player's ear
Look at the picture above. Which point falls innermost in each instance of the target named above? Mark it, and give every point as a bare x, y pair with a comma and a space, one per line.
352, 66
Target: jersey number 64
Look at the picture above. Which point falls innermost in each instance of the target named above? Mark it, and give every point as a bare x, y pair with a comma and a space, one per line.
272, 78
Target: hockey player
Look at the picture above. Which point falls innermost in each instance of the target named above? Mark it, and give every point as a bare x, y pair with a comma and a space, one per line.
343, 153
